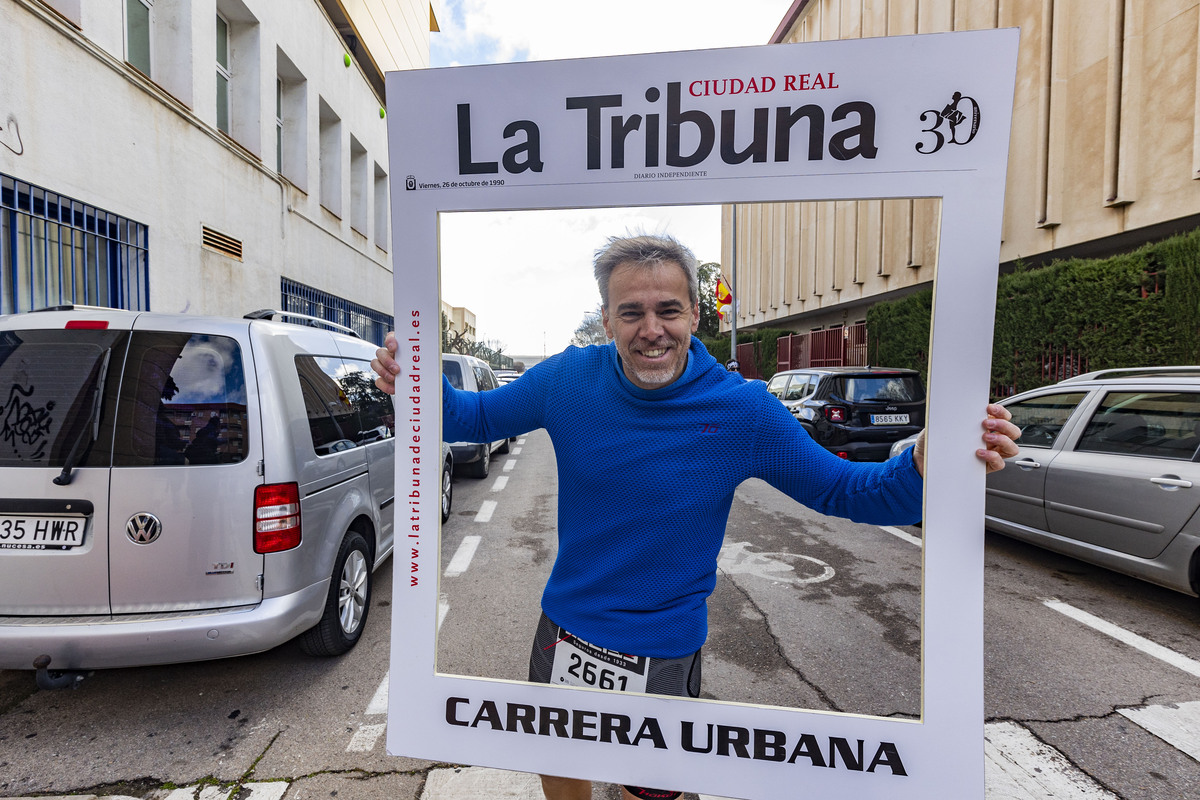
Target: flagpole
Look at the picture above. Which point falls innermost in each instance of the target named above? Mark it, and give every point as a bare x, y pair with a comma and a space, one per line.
733, 291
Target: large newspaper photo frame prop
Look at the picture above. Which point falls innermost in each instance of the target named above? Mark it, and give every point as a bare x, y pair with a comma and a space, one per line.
917, 116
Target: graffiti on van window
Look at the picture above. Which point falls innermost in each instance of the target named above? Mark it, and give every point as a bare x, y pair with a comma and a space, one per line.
23, 423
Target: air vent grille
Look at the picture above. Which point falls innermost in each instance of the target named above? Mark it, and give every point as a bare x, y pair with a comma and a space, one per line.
225, 245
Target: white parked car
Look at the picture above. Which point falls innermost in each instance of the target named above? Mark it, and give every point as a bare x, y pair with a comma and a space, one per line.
178, 488
472, 374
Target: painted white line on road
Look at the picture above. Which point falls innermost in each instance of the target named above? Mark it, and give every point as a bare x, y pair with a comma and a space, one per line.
1188, 665
481, 782
1178, 725
516, 451
365, 738
521, 440
378, 704
266, 790
462, 557
905, 535
1019, 767
508, 465
486, 509
500, 483
443, 610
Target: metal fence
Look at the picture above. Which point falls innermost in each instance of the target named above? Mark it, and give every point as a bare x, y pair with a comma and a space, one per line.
836, 347
55, 250
368, 323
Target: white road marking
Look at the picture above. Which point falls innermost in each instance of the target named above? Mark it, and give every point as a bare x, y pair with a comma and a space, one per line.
378, 704
905, 535
1019, 767
443, 609
365, 738
735, 558
500, 483
516, 451
486, 509
521, 440
509, 464
462, 557
266, 790
481, 782
1188, 665
1178, 725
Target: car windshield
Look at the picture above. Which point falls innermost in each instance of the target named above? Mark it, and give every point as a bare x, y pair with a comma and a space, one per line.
882, 389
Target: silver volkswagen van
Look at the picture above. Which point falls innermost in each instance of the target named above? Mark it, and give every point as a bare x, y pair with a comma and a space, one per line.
178, 488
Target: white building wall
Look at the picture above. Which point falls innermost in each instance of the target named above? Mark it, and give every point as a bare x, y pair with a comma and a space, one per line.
95, 129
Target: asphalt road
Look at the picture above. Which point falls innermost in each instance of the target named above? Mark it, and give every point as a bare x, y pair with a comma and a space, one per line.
1092, 680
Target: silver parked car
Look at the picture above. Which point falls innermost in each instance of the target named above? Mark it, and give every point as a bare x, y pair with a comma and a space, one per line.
177, 488
1108, 472
472, 374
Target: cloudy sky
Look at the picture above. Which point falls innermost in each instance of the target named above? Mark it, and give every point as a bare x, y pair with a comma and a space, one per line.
527, 275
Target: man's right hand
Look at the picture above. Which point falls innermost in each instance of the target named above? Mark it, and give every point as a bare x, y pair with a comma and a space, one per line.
385, 365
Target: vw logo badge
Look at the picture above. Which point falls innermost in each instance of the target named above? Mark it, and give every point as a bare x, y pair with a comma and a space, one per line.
143, 528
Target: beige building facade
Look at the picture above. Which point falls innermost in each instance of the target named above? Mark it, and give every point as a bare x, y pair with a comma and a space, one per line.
1104, 155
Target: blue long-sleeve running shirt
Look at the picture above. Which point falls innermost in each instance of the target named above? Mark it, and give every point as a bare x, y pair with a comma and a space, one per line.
646, 480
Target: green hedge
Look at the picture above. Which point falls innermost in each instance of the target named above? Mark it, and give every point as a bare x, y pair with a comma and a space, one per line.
767, 350
1092, 308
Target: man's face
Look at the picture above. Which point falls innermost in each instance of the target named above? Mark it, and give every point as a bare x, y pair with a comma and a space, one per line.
652, 321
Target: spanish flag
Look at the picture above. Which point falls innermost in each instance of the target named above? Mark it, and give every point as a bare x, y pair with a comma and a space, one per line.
724, 300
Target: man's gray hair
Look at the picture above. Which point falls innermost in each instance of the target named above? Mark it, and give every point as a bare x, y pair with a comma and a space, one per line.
645, 250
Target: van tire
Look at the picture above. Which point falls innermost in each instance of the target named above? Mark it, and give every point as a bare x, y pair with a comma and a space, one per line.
502, 449
481, 468
447, 497
349, 600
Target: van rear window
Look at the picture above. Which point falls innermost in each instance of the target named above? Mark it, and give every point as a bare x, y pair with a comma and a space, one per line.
144, 399
56, 393
183, 402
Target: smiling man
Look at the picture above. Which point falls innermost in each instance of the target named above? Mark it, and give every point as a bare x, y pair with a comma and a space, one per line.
652, 437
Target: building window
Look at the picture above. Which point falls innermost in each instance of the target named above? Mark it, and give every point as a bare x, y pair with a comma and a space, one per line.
56, 250
291, 121
139, 20
381, 208
223, 73
368, 323
331, 159
358, 187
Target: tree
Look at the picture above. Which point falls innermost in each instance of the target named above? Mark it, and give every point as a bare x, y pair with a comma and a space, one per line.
590, 330
710, 322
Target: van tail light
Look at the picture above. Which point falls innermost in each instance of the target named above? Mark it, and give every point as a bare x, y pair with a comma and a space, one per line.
835, 413
276, 517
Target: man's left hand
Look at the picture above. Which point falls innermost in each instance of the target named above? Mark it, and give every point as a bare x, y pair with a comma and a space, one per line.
999, 440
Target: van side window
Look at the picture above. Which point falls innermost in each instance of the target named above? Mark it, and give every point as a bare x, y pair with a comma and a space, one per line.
182, 401
376, 412
332, 417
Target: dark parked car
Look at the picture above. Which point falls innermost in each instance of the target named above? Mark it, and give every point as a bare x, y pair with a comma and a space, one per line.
1108, 473
854, 412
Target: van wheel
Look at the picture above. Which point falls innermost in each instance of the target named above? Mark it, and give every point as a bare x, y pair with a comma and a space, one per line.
447, 489
502, 449
483, 466
348, 602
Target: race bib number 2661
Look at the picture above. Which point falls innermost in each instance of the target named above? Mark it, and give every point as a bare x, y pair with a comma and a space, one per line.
578, 663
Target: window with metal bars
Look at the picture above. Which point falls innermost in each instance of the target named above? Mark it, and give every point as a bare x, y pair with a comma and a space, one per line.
368, 323
55, 250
